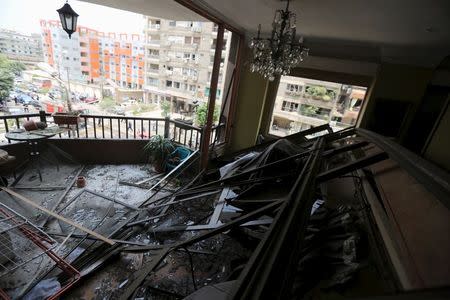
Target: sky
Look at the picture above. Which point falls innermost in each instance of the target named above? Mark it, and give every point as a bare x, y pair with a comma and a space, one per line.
24, 16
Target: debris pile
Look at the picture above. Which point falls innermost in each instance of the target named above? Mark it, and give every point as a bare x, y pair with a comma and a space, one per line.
259, 220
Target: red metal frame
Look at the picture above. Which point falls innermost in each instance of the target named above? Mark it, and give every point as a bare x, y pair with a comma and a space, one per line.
39, 240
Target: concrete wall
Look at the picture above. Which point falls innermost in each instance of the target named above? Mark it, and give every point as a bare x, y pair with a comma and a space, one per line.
90, 151
438, 150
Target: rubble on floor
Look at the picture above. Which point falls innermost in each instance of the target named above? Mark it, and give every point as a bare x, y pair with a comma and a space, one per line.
143, 235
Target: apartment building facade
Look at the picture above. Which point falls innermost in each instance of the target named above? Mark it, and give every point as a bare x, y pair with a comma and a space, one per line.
302, 103
179, 56
94, 56
21, 47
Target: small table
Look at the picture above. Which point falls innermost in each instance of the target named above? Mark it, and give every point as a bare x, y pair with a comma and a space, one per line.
33, 138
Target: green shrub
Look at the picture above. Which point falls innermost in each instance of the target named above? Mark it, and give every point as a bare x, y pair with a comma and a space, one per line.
201, 113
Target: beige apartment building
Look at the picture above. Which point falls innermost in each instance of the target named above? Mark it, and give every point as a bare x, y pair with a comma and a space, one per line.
303, 103
26, 48
179, 58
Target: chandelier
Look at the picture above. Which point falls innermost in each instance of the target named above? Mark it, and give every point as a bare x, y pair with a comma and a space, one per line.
278, 54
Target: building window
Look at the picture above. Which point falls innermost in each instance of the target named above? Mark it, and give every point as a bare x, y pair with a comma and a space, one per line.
168, 83
172, 23
296, 88
316, 103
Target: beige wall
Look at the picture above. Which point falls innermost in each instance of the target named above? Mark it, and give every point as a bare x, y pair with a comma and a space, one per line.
438, 151
397, 82
249, 108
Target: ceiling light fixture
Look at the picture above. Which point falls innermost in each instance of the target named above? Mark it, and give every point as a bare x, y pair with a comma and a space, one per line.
278, 54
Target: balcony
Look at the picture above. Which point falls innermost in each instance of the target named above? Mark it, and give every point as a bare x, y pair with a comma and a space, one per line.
153, 27
114, 128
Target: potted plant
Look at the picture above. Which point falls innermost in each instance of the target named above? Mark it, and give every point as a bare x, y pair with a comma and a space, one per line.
158, 149
66, 118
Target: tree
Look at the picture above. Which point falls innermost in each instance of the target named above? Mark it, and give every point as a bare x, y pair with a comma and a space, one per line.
17, 67
165, 107
6, 83
8, 69
6, 78
201, 114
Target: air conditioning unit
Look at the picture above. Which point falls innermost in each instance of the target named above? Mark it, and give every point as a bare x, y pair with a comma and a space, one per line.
167, 58
185, 78
185, 60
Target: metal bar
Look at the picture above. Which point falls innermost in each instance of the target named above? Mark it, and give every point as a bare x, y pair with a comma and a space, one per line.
145, 220
103, 128
269, 272
95, 127
118, 126
78, 130
134, 129
219, 206
55, 215
352, 166
184, 200
258, 222
111, 199
86, 126
63, 195
174, 170
17, 123
5, 121
434, 179
126, 120
142, 129
110, 128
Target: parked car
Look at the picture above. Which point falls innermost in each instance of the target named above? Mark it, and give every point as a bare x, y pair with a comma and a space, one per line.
15, 110
117, 110
35, 103
24, 99
90, 100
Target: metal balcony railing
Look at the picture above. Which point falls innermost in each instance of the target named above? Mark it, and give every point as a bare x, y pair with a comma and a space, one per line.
118, 127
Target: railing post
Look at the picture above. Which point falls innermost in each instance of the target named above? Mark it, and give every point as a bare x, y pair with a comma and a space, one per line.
42, 116
166, 127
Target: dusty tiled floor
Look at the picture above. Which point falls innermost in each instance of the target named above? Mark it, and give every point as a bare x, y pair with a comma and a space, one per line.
89, 210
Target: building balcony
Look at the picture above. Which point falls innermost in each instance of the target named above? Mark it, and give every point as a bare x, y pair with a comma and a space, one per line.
311, 119
153, 58
153, 27
153, 44
152, 72
109, 127
303, 99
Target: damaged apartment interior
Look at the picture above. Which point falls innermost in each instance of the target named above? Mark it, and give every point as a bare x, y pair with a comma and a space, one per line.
266, 203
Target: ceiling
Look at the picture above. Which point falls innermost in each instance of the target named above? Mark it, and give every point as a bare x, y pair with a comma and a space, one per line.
399, 31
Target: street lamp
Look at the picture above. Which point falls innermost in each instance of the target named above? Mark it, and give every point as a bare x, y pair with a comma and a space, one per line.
68, 18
